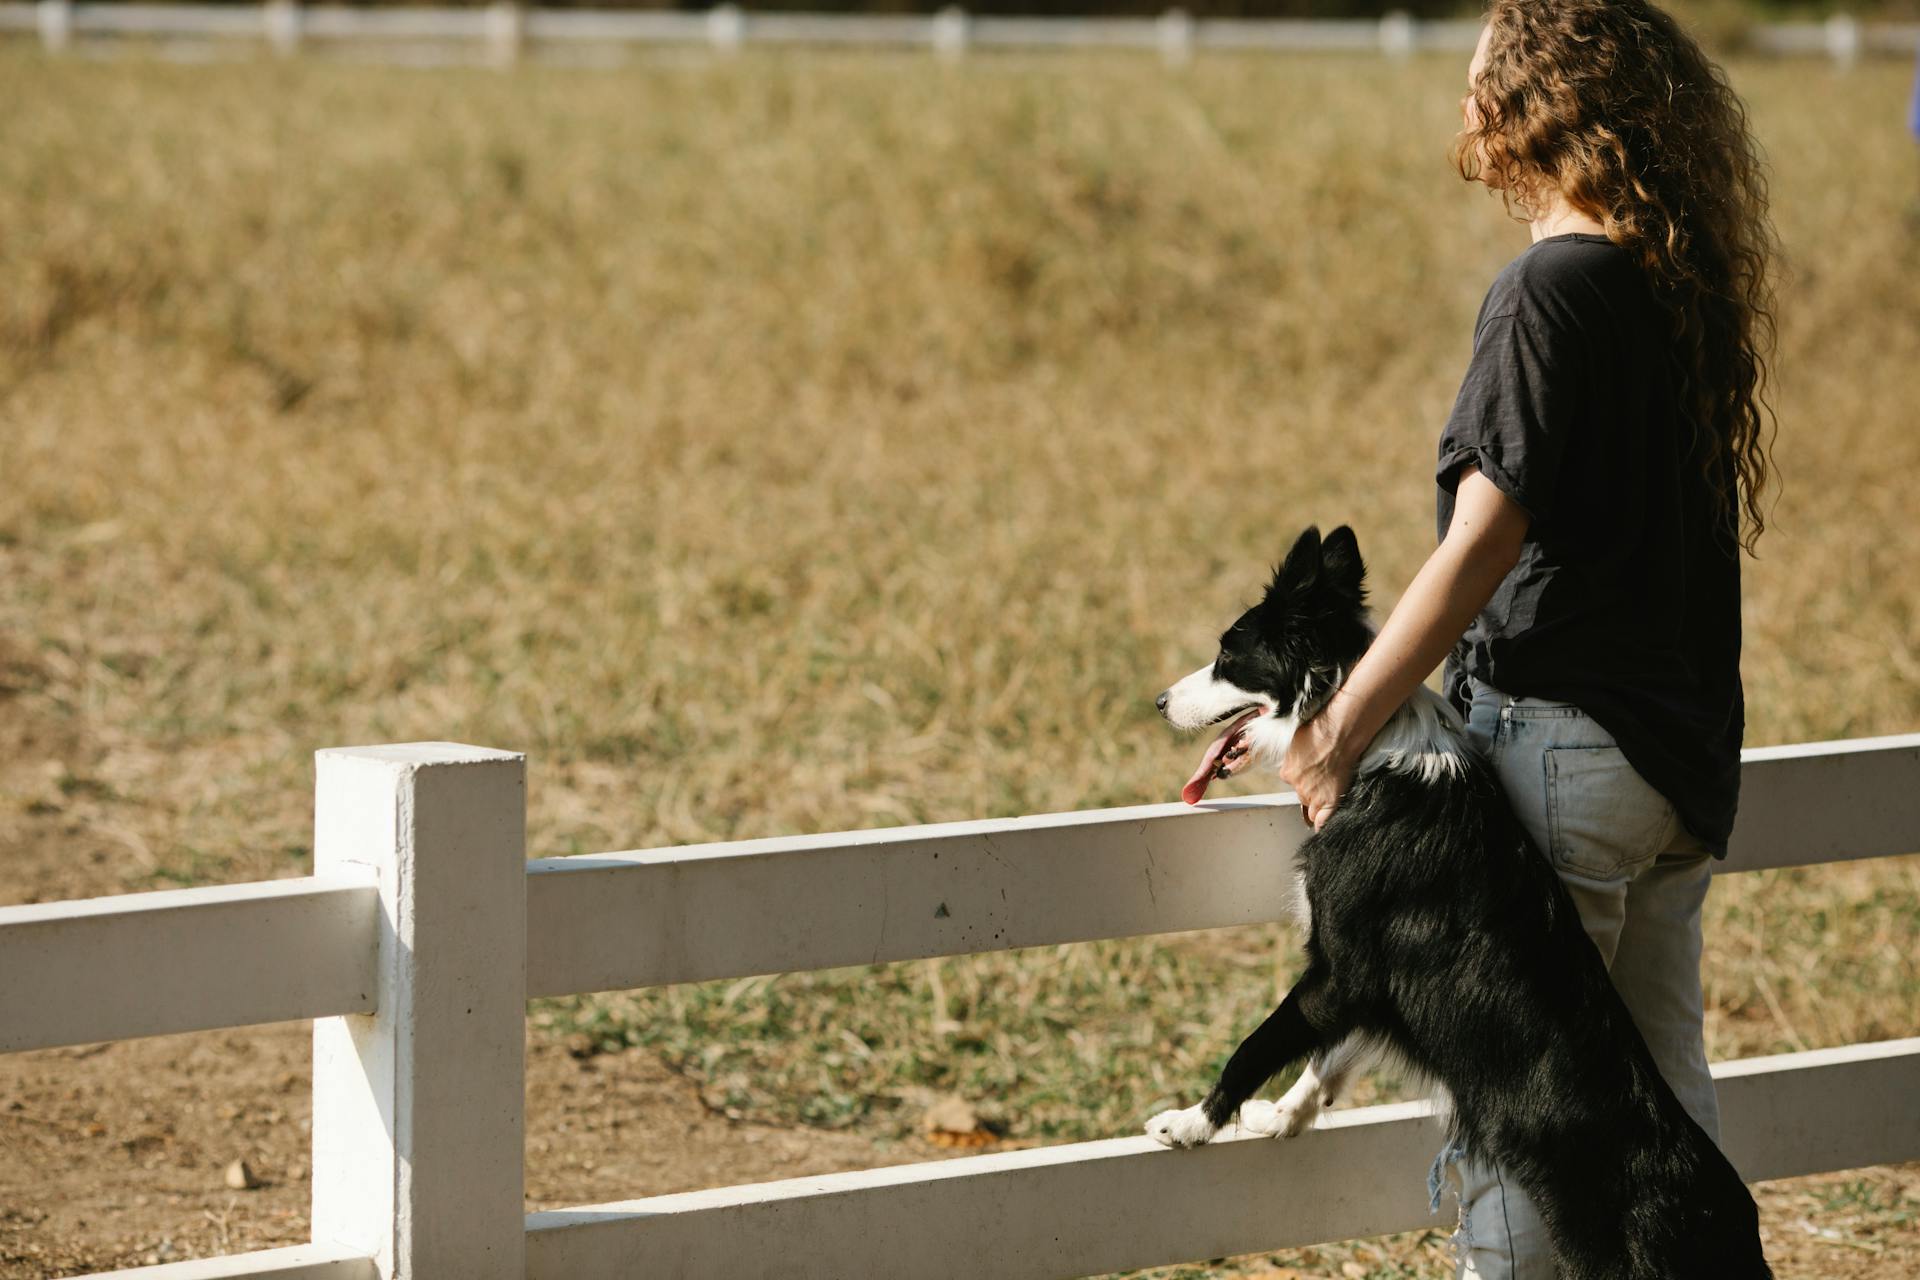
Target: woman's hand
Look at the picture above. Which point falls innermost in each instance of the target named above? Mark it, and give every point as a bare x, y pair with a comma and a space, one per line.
1482, 544
1319, 766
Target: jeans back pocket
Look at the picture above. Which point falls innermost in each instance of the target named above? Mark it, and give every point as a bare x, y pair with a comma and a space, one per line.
1603, 819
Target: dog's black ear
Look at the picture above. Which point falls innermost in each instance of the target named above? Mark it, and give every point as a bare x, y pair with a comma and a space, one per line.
1301, 569
1340, 561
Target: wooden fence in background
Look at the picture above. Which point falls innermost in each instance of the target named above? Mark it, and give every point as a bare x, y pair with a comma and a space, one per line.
423, 931
503, 33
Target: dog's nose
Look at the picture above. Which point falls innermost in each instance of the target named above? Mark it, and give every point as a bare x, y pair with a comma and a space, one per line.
1160, 704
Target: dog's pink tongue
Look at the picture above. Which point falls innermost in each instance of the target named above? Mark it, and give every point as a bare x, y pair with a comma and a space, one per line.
1196, 788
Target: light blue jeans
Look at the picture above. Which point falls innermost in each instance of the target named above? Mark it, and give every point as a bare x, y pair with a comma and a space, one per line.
1638, 879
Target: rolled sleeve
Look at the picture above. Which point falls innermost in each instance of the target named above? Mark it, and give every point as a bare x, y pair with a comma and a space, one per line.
1513, 412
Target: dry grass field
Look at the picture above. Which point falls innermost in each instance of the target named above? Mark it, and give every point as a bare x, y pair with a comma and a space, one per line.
793, 445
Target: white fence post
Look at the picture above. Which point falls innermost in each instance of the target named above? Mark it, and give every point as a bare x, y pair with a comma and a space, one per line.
1843, 40
1396, 34
418, 1126
56, 24
283, 21
506, 32
1173, 32
726, 28
951, 33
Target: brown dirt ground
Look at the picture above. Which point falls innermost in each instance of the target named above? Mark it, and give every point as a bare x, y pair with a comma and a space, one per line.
115, 1155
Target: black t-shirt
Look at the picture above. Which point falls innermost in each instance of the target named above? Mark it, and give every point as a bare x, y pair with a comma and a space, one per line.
1626, 598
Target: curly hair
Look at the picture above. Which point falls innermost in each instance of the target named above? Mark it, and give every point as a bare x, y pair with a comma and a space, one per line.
1613, 106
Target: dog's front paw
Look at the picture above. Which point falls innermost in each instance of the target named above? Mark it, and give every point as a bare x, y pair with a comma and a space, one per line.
1186, 1128
1288, 1118
1259, 1116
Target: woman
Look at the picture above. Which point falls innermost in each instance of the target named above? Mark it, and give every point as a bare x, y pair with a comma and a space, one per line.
1599, 475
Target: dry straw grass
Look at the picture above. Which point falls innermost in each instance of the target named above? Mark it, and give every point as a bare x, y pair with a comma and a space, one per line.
800, 445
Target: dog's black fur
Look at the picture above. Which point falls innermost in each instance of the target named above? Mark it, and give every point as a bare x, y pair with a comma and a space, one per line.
1438, 931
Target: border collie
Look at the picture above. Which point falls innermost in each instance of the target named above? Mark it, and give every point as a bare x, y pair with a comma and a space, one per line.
1436, 933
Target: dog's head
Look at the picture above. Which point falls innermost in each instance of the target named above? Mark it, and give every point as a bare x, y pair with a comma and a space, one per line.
1280, 660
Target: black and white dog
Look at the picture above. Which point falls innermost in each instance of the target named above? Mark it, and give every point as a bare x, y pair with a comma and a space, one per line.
1438, 934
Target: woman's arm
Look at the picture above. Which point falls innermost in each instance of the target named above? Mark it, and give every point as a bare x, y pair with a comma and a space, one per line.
1482, 543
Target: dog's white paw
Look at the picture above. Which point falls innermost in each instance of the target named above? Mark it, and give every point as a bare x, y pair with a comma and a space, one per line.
1186, 1128
1259, 1116
1288, 1118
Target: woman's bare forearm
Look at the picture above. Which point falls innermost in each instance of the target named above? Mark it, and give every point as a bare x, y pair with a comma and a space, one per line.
1482, 544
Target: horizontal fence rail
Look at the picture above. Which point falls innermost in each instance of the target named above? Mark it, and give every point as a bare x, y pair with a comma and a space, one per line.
237, 955
1819, 802
503, 33
424, 930
606, 921
147, 964
814, 902
299, 1262
1129, 1202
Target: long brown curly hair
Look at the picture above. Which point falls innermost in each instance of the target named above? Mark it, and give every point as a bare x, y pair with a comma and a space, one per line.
1611, 104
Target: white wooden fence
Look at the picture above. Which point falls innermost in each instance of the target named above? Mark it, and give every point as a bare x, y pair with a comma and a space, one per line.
505, 31
423, 931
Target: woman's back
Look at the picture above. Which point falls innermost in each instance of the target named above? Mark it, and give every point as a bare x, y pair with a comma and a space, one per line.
1626, 599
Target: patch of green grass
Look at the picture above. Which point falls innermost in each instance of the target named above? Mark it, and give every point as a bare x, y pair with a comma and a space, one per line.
1059, 1043
1890, 1205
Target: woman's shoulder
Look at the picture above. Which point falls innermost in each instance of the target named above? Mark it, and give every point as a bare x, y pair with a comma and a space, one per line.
1556, 282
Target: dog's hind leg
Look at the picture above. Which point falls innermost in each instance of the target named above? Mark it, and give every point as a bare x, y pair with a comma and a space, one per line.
1320, 1085
1309, 1018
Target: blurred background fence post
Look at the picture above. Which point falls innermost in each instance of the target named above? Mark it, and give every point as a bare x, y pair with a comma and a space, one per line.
1396, 34
418, 1108
1843, 39
952, 31
56, 24
506, 32
283, 23
726, 28
1174, 30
